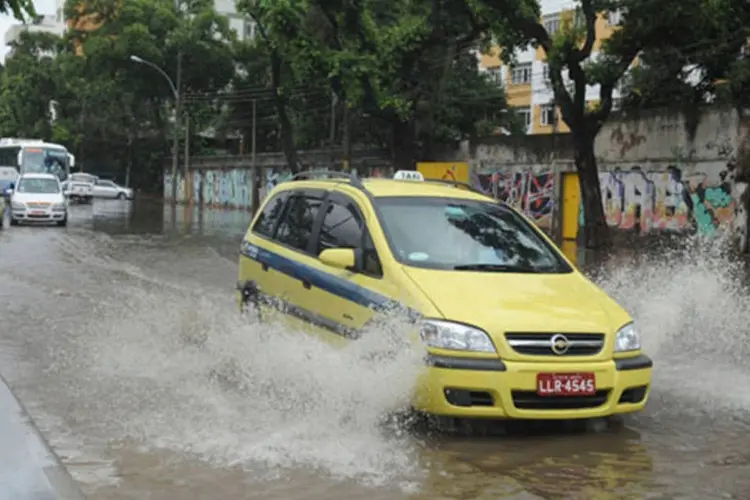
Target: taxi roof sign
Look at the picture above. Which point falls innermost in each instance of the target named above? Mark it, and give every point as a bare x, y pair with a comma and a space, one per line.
408, 175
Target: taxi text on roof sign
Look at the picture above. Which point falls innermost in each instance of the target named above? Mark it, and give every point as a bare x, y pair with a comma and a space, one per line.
408, 175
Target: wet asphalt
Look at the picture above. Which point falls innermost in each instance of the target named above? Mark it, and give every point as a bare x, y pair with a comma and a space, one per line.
114, 328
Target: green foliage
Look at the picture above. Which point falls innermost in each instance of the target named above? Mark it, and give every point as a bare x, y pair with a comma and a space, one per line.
20, 9
697, 63
114, 113
403, 70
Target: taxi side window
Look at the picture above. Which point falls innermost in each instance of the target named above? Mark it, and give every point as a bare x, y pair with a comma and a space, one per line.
296, 227
270, 215
343, 228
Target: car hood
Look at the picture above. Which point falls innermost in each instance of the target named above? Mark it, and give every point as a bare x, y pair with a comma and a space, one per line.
38, 198
520, 302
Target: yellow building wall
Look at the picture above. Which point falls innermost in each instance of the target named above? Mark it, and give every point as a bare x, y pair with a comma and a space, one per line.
562, 127
519, 95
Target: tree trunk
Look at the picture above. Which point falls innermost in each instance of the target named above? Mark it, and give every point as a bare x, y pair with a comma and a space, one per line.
287, 132
404, 145
596, 233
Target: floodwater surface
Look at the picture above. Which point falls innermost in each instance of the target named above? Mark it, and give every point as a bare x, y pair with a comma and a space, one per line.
120, 335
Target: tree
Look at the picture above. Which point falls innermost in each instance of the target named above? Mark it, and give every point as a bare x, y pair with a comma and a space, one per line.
20, 8
697, 65
28, 84
393, 66
121, 102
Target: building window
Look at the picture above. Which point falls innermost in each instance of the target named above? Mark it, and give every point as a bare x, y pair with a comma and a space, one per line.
525, 115
614, 18
249, 30
495, 74
552, 25
549, 116
545, 72
521, 74
59, 16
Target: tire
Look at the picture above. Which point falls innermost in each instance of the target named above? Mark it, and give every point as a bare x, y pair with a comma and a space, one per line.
120, 196
13, 222
64, 222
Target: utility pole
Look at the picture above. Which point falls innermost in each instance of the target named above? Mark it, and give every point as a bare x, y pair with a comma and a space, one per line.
176, 139
255, 203
347, 139
333, 118
186, 162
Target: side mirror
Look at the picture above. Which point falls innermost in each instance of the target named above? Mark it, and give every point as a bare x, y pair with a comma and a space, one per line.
342, 258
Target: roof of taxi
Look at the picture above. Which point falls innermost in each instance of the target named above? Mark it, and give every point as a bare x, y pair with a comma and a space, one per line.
381, 187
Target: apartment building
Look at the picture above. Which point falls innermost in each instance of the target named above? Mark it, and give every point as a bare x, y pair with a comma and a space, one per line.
40, 23
527, 82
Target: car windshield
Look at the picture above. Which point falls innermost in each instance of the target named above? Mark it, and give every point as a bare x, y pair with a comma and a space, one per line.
464, 235
40, 186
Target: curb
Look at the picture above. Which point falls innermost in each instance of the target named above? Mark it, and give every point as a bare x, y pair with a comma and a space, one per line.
29, 468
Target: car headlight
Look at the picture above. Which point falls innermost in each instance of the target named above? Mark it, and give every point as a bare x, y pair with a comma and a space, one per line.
17, 205
58, 206
627, 338
455, 336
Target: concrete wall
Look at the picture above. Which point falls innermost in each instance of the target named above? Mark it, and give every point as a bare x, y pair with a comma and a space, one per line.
227, 181
656, 172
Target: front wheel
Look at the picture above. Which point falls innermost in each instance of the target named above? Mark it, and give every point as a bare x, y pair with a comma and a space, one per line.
120, 196
64, 222
13, 222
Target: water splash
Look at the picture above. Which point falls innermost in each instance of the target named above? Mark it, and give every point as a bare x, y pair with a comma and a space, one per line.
690, 304
188, 374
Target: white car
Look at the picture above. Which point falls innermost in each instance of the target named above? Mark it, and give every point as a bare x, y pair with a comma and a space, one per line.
109, 189
38, 198
80, 187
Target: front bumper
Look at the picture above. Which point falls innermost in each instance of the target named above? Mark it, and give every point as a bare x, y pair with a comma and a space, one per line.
38, 215
492, 388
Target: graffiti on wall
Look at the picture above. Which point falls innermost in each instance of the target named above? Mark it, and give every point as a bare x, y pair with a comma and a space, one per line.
530, 191
232, 187
665, 200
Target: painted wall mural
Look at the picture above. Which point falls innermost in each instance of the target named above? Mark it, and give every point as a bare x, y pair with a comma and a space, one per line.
666, 200
531, 191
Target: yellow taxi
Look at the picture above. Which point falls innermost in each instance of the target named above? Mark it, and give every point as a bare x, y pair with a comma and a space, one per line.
510, 327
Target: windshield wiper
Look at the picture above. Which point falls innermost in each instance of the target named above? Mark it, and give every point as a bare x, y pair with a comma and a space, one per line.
497, 268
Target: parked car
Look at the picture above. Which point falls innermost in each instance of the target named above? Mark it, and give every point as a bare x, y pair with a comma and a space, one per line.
510, 328
109, 189
38, 198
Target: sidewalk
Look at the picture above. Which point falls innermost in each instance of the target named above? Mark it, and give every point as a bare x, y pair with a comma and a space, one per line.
28, 467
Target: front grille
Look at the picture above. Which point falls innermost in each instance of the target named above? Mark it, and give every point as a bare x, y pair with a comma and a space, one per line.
556, 344
37, 205
530, 400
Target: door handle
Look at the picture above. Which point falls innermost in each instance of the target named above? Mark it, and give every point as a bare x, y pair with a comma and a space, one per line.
306, 284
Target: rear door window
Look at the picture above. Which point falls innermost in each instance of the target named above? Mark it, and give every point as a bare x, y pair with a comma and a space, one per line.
272, 212
296, 227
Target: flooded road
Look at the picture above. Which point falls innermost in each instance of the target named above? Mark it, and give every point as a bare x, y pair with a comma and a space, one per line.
120, 335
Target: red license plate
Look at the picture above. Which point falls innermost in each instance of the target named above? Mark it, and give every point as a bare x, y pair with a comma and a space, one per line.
38, 212
565, 384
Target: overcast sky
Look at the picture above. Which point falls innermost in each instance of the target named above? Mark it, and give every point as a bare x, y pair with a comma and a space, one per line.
42, 7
